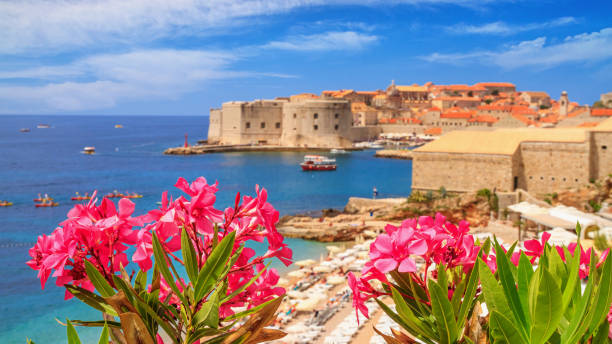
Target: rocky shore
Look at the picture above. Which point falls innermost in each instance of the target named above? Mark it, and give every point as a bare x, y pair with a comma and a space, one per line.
404, 154
366, 217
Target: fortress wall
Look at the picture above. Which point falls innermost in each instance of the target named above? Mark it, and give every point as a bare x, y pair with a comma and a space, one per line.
261, 122
461, 172
317, 123
214, 126
601, 154
547, 166
231, 123
366, 133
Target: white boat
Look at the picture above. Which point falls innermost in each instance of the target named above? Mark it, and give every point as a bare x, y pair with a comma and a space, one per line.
89, 150
318, 163
338, 151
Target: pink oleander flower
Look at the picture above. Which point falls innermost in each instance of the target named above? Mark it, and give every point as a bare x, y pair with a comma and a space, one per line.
535, 248
393, 251
358, 287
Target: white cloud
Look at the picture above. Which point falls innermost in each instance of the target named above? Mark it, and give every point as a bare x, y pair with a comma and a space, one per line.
333, 40
502, 28
586, 47
110, 78
43, 26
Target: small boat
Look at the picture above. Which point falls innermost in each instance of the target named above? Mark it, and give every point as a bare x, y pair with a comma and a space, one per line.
114, 195
338, 151
24, 130
42, 199
133, 196
318, 163
78, 197
89, 150
118, 126
45, 205
5, 204
43, 126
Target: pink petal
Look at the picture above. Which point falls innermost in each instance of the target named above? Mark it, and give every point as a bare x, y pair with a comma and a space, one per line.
126, 207
407, 265
384, 244
385, 265
418, 247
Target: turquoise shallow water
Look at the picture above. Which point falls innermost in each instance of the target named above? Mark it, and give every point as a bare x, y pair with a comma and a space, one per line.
48, 161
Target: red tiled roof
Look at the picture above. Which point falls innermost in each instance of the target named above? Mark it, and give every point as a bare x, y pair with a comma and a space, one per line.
601, 112
484, 119
433, 131
433, 108
495, 84
470, 99
588, 124
504, 108
522, 118
457, 114
369, 93
550, 119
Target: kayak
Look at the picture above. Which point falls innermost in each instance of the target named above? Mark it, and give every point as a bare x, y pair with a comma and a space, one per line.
80, 198
6, 204
42, 199
44, 205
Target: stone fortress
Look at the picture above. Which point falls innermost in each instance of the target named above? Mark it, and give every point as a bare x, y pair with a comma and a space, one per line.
294, 122
532, 159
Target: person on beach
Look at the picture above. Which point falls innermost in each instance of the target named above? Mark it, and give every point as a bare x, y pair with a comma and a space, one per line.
374, 192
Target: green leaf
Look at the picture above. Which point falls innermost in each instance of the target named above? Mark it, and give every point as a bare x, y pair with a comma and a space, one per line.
97, 323
442, 277
508, 284
162, 264
525, 272
458, 295
212, 269
443, 312
96, 278
71, 333
545, 312
601, 336
468, 298
208, 313
140, 283
104, 335
189, 256
91, 299
493, 293
578, 322
503, 330
406, 314
423, 333
573, 265
603, 295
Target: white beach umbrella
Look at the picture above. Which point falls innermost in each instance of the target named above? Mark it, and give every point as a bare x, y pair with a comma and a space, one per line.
322, 268
370, 234
294, 294
297, 273
308, 305
334, 280
305, 262
333, 249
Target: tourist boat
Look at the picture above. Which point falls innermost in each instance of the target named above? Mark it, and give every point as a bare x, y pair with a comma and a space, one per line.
43, 126
44, 205
24, 130
5, 204
118, 126
318, 163
89, 150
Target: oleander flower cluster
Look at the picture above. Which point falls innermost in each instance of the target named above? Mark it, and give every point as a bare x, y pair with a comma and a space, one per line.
103, 234
437, 275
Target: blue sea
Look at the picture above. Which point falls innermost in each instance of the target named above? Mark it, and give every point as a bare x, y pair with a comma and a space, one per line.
130, 159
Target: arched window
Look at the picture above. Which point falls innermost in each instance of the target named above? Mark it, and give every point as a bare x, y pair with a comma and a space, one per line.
263, 125
316, 115
248, 125
336, 127
336, 115
316, 127
295, 115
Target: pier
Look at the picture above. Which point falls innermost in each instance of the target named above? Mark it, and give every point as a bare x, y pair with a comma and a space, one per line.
206, 149
404, 154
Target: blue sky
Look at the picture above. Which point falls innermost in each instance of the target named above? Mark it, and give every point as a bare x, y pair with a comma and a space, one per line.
183, 57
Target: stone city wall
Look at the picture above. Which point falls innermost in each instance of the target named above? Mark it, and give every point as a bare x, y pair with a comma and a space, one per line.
461, 172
